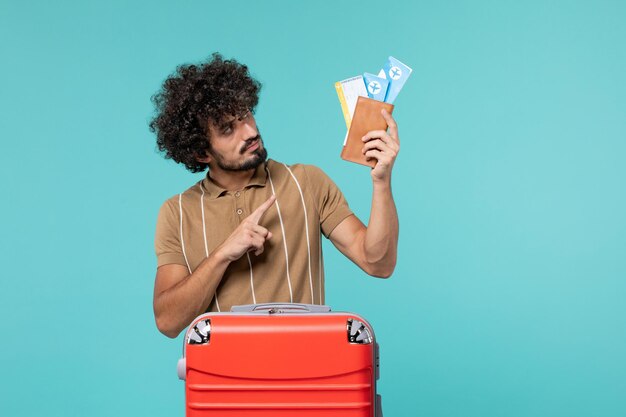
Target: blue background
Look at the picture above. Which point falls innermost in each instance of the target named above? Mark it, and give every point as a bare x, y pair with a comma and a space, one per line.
508, 297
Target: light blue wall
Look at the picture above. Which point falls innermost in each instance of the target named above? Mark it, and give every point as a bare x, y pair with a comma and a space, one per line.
508, 297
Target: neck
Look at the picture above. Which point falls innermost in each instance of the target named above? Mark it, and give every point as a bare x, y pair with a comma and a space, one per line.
230, 180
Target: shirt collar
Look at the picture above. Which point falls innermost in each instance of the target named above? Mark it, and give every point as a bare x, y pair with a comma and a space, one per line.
212, 190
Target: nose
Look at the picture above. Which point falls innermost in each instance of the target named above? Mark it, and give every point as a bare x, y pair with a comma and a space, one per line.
249, 130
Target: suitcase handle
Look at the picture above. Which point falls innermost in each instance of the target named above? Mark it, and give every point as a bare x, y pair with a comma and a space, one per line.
281, 308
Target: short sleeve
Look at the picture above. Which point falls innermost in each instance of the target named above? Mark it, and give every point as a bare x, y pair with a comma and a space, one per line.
167, 238
331, 204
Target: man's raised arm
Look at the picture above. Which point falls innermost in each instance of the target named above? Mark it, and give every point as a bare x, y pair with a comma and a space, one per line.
374, 248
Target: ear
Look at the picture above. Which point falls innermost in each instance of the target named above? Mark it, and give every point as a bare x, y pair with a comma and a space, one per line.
205, 160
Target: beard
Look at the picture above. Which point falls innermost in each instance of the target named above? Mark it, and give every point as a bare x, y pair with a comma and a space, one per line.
258, 157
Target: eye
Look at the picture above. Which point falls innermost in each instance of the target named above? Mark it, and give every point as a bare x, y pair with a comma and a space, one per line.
227, 130
245, 115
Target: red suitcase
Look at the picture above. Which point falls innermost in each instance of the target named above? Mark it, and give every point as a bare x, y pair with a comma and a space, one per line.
280, 360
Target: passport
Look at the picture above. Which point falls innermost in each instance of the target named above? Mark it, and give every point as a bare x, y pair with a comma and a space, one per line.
367, 117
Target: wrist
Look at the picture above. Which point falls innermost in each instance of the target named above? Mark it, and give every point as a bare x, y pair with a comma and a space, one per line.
220, 257
382, 184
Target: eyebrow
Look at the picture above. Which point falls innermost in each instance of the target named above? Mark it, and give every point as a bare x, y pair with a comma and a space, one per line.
229, 122
226, 124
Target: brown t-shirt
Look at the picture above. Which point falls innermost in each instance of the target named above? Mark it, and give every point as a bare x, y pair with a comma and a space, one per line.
192, 224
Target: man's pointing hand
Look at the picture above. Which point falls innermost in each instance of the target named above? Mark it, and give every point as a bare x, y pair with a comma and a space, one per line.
248, 236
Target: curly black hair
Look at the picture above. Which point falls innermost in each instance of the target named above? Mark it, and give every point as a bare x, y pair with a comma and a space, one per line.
195, 95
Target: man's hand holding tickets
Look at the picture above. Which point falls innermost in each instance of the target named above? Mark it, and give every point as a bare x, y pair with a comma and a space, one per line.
366, 102
383, 146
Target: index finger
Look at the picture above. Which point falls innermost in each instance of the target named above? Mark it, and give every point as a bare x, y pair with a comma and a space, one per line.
260, 211
391, 123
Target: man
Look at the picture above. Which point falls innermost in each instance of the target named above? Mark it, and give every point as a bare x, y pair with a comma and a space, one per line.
250, 231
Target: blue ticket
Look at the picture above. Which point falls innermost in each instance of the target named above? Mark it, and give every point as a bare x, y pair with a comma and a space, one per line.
376, 86
397, 73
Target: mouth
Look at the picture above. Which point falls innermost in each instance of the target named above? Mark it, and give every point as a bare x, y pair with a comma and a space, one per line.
252, 146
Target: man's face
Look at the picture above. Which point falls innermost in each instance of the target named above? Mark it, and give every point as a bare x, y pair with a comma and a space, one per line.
236, 144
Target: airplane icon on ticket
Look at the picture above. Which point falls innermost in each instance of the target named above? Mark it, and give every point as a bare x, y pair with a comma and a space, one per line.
376, 86
397, 73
